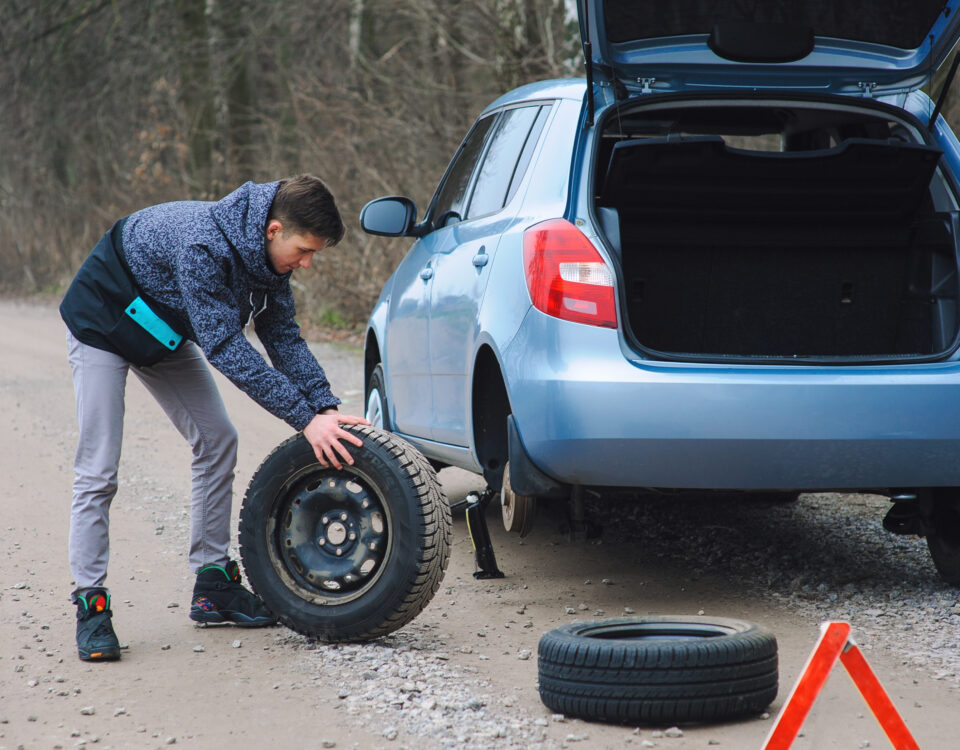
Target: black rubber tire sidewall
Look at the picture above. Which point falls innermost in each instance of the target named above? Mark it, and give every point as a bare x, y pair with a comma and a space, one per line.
943, 538
731, 674
420, 530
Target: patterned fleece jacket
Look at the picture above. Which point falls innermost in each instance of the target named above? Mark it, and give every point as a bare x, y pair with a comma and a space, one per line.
208, 262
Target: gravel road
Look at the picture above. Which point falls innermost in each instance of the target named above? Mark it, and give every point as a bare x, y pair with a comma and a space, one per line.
463, 674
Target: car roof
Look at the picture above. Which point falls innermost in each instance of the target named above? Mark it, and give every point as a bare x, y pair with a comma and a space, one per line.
558, 88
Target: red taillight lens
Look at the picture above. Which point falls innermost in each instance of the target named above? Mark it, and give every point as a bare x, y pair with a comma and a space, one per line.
566, 276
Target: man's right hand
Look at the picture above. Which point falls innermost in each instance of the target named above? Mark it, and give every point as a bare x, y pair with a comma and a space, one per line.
324, 434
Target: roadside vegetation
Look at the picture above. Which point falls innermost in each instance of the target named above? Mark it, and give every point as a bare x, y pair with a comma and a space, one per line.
112, 105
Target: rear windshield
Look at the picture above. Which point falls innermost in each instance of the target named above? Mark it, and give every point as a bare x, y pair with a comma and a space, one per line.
896, 23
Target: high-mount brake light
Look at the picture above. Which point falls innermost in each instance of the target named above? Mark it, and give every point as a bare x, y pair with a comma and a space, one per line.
566, 276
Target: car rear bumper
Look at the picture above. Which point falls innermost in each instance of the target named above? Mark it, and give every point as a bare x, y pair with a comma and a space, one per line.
587, 415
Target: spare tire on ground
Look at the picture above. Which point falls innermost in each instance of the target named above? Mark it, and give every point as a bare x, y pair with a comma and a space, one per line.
658, 670
351, 554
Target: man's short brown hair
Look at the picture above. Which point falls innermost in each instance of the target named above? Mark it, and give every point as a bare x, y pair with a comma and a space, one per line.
304, 205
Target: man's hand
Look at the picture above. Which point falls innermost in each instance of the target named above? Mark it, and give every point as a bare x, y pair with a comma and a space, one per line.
324, 435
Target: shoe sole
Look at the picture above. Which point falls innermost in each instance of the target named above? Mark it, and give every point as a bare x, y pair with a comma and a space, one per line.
105, 654
238, 619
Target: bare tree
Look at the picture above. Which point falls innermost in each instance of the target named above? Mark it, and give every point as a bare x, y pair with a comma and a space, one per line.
111, 105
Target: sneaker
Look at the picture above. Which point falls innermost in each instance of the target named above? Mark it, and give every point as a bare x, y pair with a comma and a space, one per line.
218, 596
96, 640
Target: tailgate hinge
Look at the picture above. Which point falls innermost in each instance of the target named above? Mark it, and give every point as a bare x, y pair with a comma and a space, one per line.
866, 88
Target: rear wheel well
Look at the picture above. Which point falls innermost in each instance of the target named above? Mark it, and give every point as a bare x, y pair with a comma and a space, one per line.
371, 358
491, 406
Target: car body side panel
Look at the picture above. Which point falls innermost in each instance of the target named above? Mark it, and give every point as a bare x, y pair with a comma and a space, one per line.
544, 193
407, 343
457, 291
588, 416
472, 310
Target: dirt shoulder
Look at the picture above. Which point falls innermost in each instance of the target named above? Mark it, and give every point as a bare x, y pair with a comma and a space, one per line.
474, 647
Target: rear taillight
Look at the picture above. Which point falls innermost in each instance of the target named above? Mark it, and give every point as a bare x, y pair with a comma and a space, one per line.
566, 276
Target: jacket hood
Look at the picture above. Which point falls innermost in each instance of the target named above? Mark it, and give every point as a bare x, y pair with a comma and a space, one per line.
242, 217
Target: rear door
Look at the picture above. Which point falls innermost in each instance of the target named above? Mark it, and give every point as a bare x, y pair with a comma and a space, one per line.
464, 252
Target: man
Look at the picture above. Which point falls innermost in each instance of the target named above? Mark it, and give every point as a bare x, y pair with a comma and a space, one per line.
166, 287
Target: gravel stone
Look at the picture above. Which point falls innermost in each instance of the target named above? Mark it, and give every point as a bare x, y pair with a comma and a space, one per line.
88, 711
882, 584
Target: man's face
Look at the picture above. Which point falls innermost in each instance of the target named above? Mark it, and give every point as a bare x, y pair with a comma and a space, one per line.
287, 251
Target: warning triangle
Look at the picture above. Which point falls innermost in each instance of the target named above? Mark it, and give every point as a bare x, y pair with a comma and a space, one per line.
835, 643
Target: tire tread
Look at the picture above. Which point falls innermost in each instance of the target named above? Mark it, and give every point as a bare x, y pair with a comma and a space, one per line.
435, 536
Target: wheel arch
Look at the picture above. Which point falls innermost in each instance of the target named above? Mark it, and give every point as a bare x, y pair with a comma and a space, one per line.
371, 358
490, 407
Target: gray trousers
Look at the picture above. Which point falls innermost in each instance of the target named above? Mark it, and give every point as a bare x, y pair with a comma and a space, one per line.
184, 387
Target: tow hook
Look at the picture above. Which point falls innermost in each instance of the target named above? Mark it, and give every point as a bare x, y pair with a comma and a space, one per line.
480, 535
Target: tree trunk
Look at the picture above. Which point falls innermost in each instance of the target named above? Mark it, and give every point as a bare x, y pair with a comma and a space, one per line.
196, 92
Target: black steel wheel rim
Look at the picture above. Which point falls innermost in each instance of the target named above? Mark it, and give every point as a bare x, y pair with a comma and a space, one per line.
330, 534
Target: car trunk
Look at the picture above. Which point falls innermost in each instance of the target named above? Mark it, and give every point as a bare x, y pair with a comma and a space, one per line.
840, 244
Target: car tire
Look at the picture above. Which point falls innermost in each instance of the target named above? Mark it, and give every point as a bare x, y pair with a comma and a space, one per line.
666, 669
376, 411
351, 554
943, 537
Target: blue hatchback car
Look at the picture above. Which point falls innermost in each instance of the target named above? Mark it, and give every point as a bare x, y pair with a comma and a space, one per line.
727, 260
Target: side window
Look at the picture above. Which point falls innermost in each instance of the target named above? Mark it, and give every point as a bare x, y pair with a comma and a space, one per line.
500, 161
453, 192
527, 152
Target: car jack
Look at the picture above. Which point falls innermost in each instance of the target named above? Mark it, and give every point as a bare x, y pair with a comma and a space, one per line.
480, 535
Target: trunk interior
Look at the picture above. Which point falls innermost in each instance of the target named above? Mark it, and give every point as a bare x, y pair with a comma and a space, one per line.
779, 232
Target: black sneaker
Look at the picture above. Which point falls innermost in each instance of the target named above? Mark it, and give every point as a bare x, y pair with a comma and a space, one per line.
218, 596
96, 640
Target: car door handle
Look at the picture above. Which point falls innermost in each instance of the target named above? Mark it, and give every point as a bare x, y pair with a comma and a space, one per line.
481, 258
426, 273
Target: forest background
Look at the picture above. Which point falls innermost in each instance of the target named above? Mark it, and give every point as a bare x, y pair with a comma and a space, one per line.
111, 105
